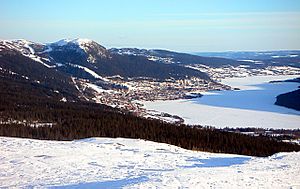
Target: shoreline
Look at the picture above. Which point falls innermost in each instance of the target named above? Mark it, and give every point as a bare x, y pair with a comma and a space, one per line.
234, 82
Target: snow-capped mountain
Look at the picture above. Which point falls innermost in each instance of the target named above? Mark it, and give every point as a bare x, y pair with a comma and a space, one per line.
26, 48
171, 57
90, 48
248, 55
73, 70
217, 60
261, 58
77, 56
63, 64
74, 89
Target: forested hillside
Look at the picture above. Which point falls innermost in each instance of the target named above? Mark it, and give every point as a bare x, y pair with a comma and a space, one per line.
20, 100
289, 100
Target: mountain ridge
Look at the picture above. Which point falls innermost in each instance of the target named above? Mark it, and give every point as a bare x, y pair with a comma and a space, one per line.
90, 54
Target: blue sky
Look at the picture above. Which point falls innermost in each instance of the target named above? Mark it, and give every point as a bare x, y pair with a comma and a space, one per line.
181, 25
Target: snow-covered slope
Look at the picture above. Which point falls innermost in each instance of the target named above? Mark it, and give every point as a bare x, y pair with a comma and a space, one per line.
132, 163
27, 49
93, 50
37, 51
153, 55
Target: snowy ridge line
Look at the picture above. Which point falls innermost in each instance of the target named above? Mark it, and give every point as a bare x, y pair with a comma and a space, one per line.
83, 44
77, 41
19, 46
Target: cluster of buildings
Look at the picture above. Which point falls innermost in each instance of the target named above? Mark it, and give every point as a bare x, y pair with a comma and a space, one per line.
245, 71
136, 90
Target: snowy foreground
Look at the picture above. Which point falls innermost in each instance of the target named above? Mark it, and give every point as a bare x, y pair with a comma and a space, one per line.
132, 163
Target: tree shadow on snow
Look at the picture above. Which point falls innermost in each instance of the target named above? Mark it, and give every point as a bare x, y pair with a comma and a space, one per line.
105, 184
217, 162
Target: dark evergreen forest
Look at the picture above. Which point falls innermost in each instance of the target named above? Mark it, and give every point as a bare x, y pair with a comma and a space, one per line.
289, 100
75, 120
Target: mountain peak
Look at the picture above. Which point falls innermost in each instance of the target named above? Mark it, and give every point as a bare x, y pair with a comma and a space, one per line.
82, 41
93, 50
21, 41
22, 45
76, 41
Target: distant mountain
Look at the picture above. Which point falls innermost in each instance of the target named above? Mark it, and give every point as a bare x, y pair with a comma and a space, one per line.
40, 83
170, 57
61, 68
87, 59
267, 58
262, 55
20, 67
218, 59
75, 70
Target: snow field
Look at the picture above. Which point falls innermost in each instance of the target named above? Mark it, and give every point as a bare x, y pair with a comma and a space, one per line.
134, 163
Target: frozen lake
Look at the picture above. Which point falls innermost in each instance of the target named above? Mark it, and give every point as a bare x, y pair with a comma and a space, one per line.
252, 106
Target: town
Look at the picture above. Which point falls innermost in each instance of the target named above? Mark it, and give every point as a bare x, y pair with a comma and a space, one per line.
133, 91
128, 94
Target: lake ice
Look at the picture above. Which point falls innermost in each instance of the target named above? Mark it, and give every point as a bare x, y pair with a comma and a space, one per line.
252, 106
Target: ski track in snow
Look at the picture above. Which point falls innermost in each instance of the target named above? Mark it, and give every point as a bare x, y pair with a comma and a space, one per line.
91, 72
134, 163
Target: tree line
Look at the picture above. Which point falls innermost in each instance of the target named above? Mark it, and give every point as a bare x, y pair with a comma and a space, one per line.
77, 120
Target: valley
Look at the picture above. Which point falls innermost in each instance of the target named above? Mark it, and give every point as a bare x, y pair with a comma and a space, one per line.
122, 78
78, 89
149, 94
